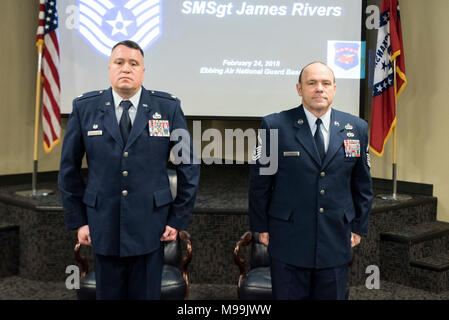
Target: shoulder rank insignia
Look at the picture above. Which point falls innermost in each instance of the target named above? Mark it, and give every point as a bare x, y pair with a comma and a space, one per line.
162, 94
89, 94
257, 153
368, 159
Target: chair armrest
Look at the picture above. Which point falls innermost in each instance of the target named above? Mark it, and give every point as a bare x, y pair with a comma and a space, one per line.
240, 262
185, 236
81, 260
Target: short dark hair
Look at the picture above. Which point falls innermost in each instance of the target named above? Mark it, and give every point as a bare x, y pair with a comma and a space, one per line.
300, 74
130, 44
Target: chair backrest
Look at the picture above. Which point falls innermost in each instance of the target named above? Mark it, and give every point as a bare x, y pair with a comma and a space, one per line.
172, 253
259, 253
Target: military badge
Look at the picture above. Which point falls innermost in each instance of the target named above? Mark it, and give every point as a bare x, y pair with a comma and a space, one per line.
159, 128
352, 148
156, 116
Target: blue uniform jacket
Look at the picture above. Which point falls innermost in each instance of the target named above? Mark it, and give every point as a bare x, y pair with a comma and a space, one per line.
310, 208
127, 200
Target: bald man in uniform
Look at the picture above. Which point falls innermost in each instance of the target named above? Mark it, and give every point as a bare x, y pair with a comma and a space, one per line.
316, 207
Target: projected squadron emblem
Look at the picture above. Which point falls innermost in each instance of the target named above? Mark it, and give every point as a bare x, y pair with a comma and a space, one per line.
346, 55
103, 23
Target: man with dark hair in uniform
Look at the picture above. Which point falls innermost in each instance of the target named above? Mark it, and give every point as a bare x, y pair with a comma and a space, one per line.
126, 210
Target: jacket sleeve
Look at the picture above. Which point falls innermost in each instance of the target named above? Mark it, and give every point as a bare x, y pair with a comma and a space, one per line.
71, 184
361, 186
260, 185
187, 171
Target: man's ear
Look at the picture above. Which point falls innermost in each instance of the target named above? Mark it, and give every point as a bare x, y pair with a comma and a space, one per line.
299, 89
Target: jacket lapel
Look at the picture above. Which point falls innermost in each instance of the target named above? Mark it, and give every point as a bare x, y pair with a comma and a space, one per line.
337, 136
304, 135
142, 117
110, 119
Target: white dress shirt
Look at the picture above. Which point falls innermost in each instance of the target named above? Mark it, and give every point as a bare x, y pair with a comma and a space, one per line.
325, 127
135, 99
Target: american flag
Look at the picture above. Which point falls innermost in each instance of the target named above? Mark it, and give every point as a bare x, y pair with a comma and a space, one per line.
389, 50
47, 36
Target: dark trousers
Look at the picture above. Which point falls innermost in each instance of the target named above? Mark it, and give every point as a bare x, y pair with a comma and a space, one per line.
295, 283
129, 278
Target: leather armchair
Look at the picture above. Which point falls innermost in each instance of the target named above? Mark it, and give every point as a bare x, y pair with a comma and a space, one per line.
175, 280
256, 283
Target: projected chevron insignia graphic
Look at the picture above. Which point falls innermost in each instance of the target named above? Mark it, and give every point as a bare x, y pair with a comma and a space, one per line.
103, 23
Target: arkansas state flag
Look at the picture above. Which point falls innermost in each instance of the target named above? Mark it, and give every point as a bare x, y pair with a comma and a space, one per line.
389, 49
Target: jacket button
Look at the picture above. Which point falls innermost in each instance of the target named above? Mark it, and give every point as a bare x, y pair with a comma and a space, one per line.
125, 173
124, 193
322, 192
322, 174
321, 210
125, 154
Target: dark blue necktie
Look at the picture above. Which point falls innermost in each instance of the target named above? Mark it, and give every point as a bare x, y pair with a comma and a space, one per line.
319, 139
125, 120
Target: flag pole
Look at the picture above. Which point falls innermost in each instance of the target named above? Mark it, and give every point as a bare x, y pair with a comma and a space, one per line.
36, 116
395, 182
395, 159
395, 195
34, 192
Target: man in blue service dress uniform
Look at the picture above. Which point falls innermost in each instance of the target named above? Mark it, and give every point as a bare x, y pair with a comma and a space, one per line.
126, 208
316, 206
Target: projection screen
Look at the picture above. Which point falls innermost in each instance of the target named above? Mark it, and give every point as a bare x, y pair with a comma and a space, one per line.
223, 58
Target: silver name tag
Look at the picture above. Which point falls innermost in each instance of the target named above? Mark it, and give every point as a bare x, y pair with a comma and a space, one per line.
291, 153
95, 133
